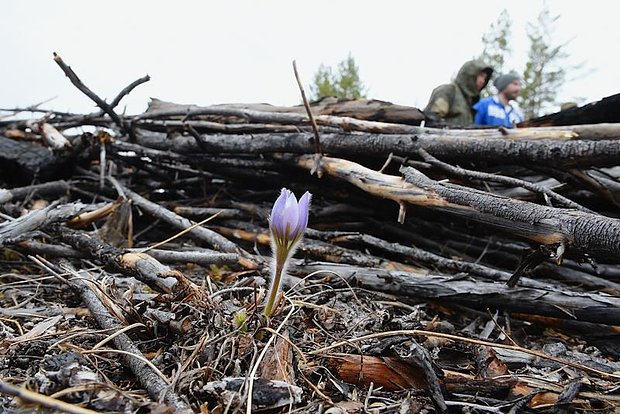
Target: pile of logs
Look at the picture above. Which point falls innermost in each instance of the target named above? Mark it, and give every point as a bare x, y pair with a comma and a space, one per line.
523, 223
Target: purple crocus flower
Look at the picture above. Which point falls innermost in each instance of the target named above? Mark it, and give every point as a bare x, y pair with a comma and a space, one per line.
289, 218
288, 221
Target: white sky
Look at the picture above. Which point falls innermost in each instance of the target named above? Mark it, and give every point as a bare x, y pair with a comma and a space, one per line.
241, 51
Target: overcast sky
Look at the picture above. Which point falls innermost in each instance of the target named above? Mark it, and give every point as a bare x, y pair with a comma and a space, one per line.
241, 51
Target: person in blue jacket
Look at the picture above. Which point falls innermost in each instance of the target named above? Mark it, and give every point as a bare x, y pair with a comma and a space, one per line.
501, 109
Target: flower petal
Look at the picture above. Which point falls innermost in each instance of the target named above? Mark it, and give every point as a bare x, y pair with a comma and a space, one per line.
290, 215
304, 208
277, 211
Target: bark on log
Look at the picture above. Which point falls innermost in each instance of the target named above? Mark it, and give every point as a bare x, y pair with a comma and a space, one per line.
49, 188
202, 257
204, 212
397, 374
546, 225
215, 127
494, 151
24, 161
50, 250
20, 227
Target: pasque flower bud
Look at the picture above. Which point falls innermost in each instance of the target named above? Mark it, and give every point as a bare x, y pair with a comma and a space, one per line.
288, 221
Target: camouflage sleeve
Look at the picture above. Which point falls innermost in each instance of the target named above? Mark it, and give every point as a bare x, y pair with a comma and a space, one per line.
440, 100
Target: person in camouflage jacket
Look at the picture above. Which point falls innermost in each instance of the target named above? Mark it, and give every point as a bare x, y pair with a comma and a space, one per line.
452, 103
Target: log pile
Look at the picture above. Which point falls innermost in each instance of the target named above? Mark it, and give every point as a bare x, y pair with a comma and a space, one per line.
444, 270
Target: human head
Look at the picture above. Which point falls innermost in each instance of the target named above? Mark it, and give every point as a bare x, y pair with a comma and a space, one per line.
482, 79
468, 76
509, 85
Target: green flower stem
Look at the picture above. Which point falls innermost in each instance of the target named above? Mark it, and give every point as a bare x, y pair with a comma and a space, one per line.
275, 287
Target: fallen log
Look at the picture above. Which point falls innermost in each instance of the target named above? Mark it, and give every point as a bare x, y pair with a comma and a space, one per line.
466, 149
23, 161
546, 225
11, 231
543, 224
364, 109
605, 110
202, 257
477, 294
44, 189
